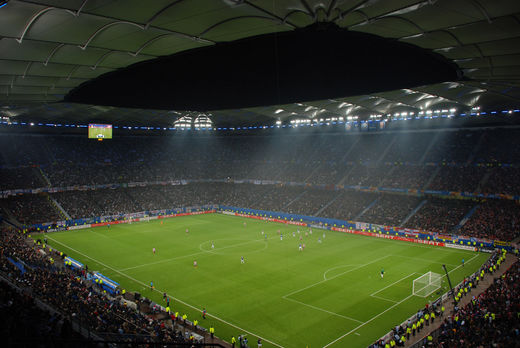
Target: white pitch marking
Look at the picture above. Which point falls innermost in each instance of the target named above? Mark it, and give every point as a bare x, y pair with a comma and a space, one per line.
194, 254
249, 241
322, 310
340, 274
383, 312
162, 261
161, 292
333, 268
386, 287
384, 299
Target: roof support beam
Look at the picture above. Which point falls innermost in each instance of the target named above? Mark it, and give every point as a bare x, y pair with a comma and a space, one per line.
76, 14
437, 95
106, 26
308, 8
283, 20
234, 19
482, 10
26, 69
101, 59
52, 53
81, 8
161, 11
35, 17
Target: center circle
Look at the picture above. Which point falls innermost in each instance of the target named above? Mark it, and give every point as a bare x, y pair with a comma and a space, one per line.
233, 246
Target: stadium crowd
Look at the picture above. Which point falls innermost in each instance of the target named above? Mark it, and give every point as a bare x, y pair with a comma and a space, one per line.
490, 318
30, 209
22, 320
139, 172
493, 220
70, 294
462, 160
391, 210
440, 215
469, 160
488, 219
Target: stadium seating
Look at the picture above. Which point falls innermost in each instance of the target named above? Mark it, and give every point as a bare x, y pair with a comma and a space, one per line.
72, 298
142, 170
490, 317
145, 173
440, 215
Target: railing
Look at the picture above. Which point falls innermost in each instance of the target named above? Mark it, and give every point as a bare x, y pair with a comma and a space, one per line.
93, 339
423, 341
439, 301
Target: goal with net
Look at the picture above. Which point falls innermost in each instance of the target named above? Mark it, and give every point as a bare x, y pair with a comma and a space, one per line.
426, 284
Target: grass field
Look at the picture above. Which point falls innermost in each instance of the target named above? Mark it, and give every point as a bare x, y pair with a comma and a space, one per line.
331, 294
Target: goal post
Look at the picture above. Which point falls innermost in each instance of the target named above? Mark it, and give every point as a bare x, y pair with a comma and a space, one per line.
426, 284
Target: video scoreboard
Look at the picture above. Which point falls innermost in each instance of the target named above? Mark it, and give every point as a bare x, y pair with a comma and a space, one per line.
100, 131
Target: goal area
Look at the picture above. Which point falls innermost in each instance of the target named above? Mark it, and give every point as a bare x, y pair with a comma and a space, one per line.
426, 284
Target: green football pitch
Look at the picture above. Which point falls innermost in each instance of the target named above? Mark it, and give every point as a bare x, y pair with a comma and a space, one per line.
329, 294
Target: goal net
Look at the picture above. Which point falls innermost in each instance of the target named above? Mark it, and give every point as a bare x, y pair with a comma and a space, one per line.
426, 284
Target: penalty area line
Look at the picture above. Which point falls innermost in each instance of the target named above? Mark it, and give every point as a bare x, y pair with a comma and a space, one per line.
383, 312
338, 275
160, 292
382, 298
386, 287
321, 309
366, 322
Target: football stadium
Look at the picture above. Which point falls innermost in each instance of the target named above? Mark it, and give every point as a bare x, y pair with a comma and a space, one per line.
260, 173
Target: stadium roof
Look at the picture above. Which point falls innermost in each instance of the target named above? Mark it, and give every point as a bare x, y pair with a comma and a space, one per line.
49, 48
